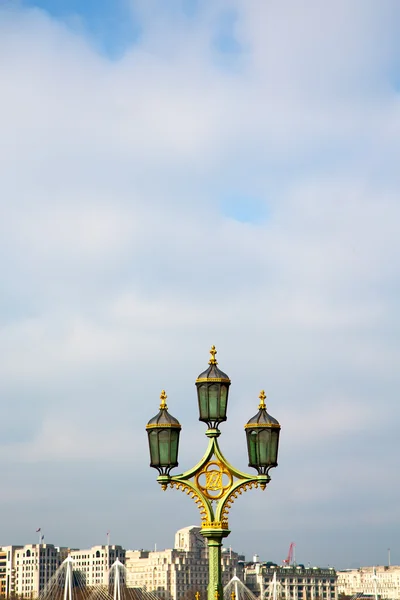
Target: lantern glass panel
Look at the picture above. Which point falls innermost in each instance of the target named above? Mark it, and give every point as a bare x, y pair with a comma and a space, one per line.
252, 448
203, 401
174, 446
213, 404
274, 446
264, 447
153, 445
223, 400
164, 444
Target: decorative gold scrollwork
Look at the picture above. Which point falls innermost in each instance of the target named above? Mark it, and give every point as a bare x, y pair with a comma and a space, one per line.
200, 504
214, 480
232, 497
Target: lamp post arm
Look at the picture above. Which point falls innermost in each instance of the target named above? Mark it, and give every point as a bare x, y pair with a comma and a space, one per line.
235, 472
214, 509
191, 472
244, 482
237, 488
182, 482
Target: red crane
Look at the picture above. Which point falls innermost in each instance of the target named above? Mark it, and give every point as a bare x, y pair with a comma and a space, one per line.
289, 560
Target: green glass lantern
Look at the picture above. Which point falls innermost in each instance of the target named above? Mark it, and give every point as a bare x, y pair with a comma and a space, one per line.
262, 433
212, 393
163, 432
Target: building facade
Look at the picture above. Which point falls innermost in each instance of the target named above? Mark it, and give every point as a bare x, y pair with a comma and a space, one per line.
94, 564
291, 582
25, 571
3, 576
382, 581
33, 565
6, 571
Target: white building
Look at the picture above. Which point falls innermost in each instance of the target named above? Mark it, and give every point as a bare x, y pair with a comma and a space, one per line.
384, 581
32, 567
292, 582
7, 570
25, 570
95, 563
177, 572
189, 539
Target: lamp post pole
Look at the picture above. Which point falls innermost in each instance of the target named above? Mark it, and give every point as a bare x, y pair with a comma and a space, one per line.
213, 483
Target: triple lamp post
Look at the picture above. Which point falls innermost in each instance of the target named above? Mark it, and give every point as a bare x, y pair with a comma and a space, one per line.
213, 483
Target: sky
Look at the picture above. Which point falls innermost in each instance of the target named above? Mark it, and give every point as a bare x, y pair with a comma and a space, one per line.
177, 174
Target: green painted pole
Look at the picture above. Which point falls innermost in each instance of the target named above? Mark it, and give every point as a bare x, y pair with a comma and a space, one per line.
214, 538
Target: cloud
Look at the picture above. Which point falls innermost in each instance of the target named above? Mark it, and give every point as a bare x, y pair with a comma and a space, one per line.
68, 440
123, 254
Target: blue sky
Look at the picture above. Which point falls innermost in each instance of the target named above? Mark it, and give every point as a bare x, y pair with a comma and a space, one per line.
115, 26
180, 174
110, 25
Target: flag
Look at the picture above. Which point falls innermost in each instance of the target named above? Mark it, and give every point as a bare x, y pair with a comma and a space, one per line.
37, 530
108, 533
42, 538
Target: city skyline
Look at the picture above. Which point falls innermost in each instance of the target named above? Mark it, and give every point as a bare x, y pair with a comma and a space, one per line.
47, 572
42, 569
289, 559
180, 174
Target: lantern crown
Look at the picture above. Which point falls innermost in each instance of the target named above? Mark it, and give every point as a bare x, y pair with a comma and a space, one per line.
262, 418
212, 373
163, 418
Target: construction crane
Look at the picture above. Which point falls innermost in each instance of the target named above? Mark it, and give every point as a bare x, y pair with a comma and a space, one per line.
290, 560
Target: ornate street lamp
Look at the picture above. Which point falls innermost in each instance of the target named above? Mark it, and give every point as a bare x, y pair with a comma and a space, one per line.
212, 393
262, 432
213, 483
163, 432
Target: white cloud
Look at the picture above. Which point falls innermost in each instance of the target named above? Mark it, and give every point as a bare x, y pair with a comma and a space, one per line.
65, 439
119, 267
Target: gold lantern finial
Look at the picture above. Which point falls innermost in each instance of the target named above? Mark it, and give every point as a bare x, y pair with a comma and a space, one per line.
233, 595
262, 397
197, 595
163, 397
213, 360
